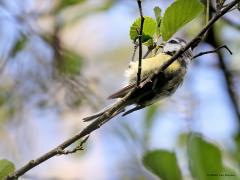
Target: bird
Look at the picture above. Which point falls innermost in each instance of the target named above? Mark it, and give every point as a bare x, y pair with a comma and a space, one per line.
162, 85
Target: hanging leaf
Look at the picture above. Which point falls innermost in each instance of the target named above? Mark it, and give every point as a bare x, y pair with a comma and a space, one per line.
157, 12
179, 13
6, 168
205, 159
149, 29
163, 164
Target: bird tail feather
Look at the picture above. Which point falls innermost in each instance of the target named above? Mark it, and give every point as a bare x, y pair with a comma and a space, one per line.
104, 111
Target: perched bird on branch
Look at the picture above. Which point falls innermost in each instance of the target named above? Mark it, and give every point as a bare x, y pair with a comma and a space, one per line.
161, 85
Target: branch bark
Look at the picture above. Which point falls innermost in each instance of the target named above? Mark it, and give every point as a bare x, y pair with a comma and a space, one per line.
113, 111
140, 43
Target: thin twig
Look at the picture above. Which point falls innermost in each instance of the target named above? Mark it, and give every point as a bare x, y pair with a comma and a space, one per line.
219, 4
117, 106
213, 51
140, 43
134, 51
74, 150
150, 48
226, 20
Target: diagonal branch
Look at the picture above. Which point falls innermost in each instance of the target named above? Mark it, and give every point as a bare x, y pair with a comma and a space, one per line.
113, 111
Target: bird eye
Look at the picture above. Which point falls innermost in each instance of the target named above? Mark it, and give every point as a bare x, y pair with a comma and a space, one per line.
173, 41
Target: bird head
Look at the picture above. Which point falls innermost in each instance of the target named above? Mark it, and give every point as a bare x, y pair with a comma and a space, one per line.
174, 45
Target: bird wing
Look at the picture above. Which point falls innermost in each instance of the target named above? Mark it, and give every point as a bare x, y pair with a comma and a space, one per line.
122, 92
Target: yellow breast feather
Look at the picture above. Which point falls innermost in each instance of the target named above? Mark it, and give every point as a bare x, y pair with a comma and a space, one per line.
149, 65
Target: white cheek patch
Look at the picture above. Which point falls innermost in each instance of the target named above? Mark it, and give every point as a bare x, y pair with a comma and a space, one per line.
171, 47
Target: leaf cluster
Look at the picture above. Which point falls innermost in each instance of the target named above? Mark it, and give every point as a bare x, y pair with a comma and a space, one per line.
205, 161
179, 13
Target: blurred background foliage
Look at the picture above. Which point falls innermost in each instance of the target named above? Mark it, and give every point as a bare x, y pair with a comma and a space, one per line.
60, 59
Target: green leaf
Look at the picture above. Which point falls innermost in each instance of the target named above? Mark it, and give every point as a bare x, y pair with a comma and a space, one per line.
19, 45
157, 12
205, 160
6, 168
70, 63
179, 13
148, 42
66, 3
149, 29
163, 164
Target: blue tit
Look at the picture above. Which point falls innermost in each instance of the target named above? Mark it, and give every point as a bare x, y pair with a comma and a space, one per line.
162, 85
